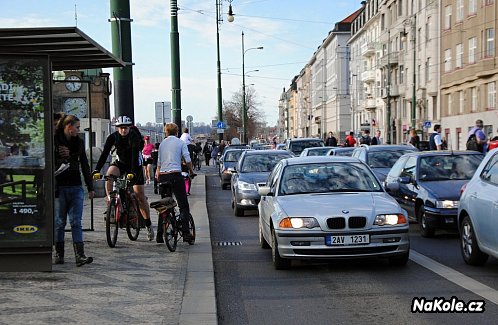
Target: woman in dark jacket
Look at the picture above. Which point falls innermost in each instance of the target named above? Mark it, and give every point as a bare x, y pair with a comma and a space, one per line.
207, 153
69, 147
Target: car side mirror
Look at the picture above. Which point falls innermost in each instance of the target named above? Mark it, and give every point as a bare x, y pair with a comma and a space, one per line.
405, 180
392, 187
264, 191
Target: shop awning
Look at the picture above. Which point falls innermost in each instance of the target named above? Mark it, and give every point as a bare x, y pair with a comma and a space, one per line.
68, 47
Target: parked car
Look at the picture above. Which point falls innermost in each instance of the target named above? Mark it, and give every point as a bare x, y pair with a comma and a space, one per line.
341, 151
227, 163
280, 146
381, 157
478, 213
315, 151
251, 170
297, 145
427, 185
329, 207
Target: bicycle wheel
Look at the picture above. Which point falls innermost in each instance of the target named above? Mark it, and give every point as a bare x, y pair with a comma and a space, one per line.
133, 222
199, 164
169, 231
191, 227
111, 224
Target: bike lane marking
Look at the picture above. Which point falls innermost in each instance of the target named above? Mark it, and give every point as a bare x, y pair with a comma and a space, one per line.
456, 277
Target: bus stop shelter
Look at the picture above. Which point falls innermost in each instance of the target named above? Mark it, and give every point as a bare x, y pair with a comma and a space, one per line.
28, 56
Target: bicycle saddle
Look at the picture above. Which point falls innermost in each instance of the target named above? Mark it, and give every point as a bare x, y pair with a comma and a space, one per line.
163, 204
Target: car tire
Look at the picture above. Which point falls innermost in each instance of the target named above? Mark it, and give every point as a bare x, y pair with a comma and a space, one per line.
262, 241
399, 260
471, 252
425, 230
278, 262
237, 211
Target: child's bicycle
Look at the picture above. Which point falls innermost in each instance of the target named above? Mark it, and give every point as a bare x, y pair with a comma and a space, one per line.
123, 210
170, 220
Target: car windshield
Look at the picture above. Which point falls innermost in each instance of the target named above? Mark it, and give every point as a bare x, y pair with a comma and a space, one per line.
328, 177
384, 159
298, 146
261, 163
345, 153
232, 156
442, 168
318, 152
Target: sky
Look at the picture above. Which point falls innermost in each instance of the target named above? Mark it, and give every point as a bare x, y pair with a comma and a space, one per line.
289, 31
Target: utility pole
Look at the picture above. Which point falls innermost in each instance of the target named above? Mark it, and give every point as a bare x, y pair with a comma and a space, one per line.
389, 127
414, 90
121, 47
176, 100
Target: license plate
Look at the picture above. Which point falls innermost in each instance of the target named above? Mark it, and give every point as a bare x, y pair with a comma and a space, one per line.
347, 240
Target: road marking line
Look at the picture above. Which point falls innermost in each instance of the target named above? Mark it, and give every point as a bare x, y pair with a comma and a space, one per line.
456, 277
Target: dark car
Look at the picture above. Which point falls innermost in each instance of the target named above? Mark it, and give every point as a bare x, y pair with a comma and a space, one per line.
227, 164
427, 185
381, 158
341, 151
297, 145
251, 170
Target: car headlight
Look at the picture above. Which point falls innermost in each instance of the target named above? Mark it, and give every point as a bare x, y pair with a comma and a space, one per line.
297, 223
243, 186
389, 219
447, 204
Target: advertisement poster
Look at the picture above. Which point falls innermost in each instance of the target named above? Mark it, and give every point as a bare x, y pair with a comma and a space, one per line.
24, 218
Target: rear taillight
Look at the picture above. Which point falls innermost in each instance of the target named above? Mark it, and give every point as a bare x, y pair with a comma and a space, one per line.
462, 189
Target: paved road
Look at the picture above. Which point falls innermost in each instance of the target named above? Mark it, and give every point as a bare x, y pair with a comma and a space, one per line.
250, 291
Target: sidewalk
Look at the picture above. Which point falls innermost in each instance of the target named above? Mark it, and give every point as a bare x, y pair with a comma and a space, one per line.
138, 282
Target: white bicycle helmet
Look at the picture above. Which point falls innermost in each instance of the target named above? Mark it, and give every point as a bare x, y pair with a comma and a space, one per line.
123, 120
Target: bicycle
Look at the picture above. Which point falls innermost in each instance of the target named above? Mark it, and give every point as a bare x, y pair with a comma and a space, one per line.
123, 210
196, 161
170, 219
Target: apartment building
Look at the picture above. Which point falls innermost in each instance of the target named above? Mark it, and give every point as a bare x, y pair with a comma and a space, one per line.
394, 76
468, 68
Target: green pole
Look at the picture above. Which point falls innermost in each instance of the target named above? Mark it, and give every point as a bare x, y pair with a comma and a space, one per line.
176, 110
121, 47
218, 65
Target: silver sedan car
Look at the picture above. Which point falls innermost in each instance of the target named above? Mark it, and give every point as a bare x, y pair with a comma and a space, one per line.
478, 213
328, 207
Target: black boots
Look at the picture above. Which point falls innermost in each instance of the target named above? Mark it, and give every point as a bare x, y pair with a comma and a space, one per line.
59, 253
79, 253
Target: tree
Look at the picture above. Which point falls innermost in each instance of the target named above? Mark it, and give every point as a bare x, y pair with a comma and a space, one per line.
232, 114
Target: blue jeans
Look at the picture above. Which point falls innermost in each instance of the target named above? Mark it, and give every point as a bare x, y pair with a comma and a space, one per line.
70, 205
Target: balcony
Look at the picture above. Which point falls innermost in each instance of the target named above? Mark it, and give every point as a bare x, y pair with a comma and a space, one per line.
368, 49
390, 59
368, 76
393, 91
370, 104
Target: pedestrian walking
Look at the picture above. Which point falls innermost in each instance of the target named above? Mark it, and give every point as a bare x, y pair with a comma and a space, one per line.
70, 190
414, 139
376, 139
435, 141
207, 152
331, 140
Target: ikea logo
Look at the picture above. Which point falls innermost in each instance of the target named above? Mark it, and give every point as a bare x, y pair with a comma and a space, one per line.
25, 229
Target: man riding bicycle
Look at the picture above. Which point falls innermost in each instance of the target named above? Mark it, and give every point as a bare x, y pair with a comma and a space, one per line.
169, 169
127, 146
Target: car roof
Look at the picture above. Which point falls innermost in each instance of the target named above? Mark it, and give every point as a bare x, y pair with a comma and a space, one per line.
319, 159
266, 152
384, 147
238, 149
304, 139
443, 153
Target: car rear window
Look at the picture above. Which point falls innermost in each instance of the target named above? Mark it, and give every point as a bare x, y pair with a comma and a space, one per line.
441, 168
298, 146
261, 163
232, 156
384, 159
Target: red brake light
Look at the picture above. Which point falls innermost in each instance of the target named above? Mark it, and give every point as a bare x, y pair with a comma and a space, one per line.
462, 189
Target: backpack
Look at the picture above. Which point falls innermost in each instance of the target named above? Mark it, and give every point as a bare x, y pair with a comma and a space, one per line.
472, 144
365, 140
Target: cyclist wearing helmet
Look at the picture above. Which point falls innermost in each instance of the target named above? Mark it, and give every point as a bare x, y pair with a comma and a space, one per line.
127, 146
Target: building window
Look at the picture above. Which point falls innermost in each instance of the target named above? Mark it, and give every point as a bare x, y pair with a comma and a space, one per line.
491, 95
461, 102
427, 69
459, 11
472, 7
488, 2
490, 42
400, 8
447, 60
473, 103
459, 56
401, 74
472, 50
448, 101
447, 17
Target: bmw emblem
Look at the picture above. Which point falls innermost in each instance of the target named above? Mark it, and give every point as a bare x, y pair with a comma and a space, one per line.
345, 211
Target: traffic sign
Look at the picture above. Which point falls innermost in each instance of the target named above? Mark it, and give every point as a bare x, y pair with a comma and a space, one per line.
220, 125
220, 131
190, 118
427, 124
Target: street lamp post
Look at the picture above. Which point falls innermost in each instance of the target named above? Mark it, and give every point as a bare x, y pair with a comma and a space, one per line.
244, 104
219, 20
